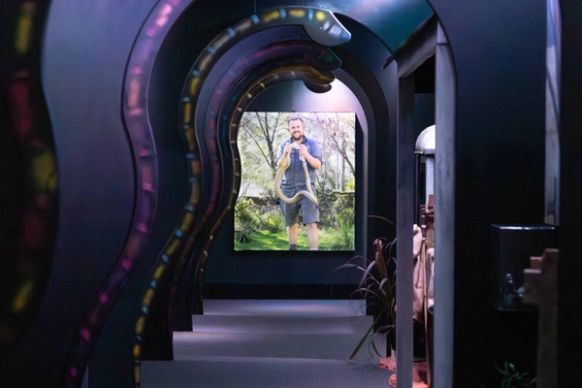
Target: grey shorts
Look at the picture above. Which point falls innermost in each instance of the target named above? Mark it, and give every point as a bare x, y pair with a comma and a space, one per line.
309, 212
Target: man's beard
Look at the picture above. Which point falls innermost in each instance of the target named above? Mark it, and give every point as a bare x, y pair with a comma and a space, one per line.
297, 136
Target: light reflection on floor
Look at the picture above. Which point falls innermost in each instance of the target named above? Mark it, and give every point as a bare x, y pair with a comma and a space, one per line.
272, 343
286, 307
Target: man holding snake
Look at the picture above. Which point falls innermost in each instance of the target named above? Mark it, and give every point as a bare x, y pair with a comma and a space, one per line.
302, 156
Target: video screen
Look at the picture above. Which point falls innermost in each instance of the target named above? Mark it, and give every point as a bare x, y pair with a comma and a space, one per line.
298, 181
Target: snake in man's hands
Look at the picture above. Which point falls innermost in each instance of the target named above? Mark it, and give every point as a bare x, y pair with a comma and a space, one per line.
285, 162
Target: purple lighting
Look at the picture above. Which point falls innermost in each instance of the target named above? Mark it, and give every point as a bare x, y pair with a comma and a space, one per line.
137, 78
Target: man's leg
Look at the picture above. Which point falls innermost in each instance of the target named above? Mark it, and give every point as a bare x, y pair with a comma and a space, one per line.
312, 236
310, 219
290, 215
292, 232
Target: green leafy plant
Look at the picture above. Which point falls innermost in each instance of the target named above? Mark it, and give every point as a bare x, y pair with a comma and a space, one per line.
342, 212
378, 286
343, 234
272, 222
246, 219
512, 378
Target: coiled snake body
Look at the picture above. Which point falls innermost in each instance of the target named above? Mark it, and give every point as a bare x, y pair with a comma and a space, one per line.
285, 163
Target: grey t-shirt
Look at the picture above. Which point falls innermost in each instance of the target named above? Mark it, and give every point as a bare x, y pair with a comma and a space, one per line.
294, 179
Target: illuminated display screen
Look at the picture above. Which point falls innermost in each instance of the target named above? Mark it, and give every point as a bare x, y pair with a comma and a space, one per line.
298, 181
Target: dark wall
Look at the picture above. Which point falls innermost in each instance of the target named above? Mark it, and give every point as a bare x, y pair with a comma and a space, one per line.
83, 68
252, 274
424, 114
498, 49
299, 268
570, 295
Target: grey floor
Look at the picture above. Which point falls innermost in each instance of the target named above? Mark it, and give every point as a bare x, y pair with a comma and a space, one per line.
272, 343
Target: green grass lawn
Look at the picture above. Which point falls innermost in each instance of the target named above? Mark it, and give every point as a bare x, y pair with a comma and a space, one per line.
263, 240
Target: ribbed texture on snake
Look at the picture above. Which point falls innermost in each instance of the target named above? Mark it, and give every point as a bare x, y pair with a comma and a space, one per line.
279, 176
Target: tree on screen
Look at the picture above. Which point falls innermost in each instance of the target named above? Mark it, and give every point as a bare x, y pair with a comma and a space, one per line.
260, 136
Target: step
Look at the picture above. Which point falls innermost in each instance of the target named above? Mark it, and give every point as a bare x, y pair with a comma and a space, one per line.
228, 372
272, 343
279, 324
286, 307
189, 346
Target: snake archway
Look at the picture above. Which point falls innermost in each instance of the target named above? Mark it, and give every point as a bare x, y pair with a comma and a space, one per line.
289, 43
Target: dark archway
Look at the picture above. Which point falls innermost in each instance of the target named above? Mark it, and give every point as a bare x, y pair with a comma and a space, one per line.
87, 79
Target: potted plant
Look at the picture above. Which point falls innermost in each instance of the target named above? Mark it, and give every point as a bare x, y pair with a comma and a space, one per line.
377, 286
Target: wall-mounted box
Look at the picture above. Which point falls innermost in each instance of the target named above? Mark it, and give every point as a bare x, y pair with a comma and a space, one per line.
511, 248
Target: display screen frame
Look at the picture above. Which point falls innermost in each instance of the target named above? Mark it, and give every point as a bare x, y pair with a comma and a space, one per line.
258, 221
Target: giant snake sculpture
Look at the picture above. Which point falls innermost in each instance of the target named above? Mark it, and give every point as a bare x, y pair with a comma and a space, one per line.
285, 163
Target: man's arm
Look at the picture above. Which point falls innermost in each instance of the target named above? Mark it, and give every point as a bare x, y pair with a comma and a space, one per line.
313, 158
284, 150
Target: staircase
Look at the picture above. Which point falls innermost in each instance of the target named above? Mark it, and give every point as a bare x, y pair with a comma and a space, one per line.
272, 343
